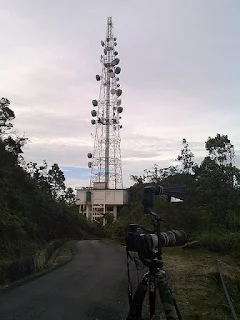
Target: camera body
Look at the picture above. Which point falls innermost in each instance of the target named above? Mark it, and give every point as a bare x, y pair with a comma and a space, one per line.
139, 241
146, 244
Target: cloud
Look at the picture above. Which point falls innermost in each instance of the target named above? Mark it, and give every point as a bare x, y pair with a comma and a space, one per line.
76, 183
76, 173
180, 77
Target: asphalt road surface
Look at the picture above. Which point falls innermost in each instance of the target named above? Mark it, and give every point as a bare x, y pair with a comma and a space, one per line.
93, 286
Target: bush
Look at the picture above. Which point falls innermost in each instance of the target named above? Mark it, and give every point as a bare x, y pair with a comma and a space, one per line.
222, 242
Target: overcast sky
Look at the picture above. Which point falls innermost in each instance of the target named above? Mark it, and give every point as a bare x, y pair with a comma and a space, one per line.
180, 77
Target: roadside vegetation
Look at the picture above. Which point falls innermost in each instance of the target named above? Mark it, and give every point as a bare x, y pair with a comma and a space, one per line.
211, 212
35, 205
210, 215
37, 208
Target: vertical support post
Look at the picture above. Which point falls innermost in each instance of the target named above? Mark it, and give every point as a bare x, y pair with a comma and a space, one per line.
115, 213
88, 211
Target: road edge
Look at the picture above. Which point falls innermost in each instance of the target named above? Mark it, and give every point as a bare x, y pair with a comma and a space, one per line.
52, 265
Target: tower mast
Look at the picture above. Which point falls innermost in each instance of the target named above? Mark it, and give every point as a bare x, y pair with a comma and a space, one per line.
106, 193
108, 85
105, 161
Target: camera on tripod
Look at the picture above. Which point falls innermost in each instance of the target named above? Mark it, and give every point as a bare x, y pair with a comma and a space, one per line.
147, 243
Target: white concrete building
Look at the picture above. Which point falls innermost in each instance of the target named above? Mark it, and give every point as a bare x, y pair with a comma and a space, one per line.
95, 202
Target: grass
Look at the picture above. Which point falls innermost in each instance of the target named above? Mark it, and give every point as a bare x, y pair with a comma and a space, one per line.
196, 284
222, 241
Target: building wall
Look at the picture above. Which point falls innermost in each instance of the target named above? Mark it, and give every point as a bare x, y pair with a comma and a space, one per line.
117, 197
101, 201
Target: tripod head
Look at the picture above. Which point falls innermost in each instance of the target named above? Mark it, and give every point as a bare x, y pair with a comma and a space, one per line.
171, 194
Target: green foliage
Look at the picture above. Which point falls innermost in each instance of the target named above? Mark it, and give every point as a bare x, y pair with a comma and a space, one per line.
220, 149
70, 196
186, 157
109, 217
35, 206
211, 211
221, 241
6, 116
56, 181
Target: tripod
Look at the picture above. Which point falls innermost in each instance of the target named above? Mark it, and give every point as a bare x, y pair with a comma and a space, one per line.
155, 279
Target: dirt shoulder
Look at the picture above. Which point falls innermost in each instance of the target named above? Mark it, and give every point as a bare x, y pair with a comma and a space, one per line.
196, 283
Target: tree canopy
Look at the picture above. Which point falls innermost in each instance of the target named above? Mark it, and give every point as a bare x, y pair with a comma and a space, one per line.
35, 205
212, 209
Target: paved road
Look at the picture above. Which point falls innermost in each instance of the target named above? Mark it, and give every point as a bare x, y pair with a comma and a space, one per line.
93, 286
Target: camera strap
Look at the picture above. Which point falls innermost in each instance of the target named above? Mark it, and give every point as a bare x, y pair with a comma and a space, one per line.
137, 264
129, 280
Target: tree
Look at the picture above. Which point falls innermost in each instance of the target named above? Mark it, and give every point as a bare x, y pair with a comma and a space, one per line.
35, 171
152, 175
70, 196
220, 149
138, 179
10, 144
56, 180
34, 208
15, 145
109, 217
217, 181
186, 157
6, 116
39, 174
7, 158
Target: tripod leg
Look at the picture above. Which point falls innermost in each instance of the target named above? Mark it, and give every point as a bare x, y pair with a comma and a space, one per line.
152, 295
140, 293
177, 309
168, 302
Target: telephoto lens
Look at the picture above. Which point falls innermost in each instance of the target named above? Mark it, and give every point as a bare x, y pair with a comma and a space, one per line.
173, 238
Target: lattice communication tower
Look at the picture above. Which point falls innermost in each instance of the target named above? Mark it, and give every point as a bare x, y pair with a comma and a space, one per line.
105, 162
